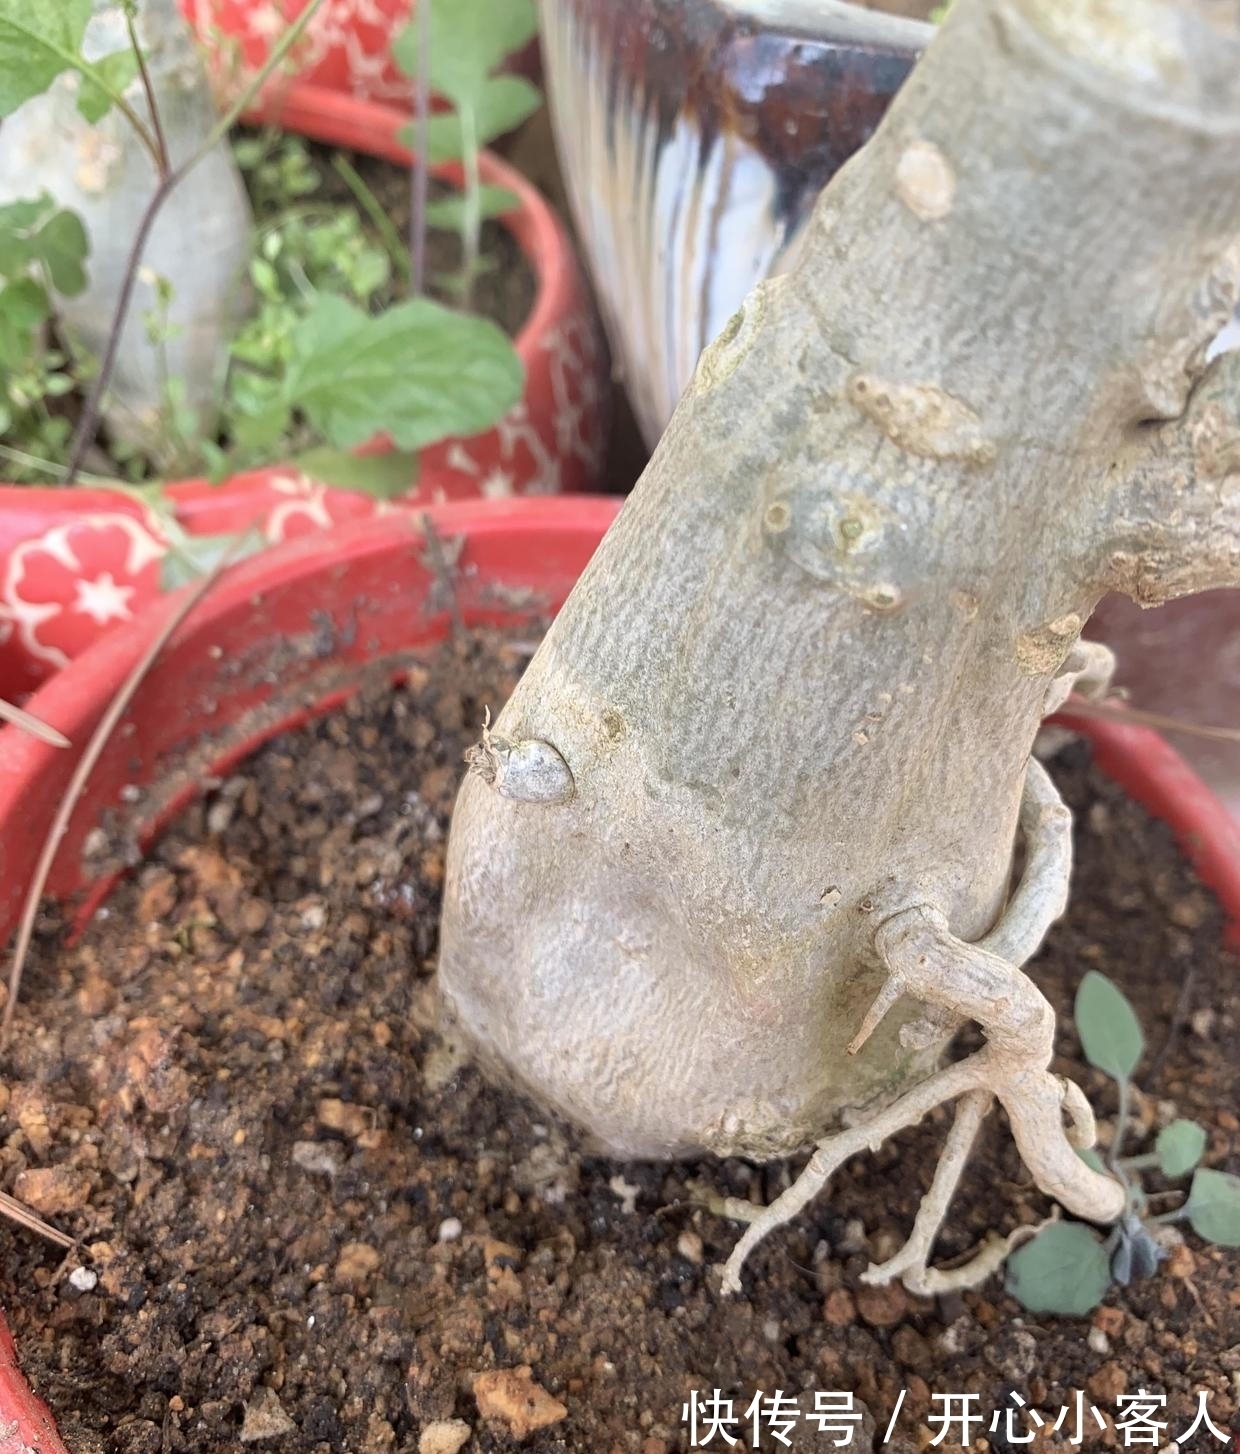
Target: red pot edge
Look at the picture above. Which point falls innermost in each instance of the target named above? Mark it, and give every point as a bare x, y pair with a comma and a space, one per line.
337, 119
1152, 772
68, 699
26, 1422
1138, 759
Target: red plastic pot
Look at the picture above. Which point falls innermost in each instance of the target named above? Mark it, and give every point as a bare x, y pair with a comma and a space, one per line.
346, 47
285, 635
74, 562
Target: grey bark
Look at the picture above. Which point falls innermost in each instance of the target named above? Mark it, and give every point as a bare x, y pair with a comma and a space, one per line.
797, 687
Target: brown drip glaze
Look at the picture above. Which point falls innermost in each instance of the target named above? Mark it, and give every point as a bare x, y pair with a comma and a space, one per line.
804, 100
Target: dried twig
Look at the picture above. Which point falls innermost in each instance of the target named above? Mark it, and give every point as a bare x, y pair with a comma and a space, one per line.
19, 717
20, 1213
163, 160
1116, 710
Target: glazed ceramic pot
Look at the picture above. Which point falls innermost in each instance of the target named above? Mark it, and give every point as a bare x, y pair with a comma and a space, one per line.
288, 634
695, 136
73, 562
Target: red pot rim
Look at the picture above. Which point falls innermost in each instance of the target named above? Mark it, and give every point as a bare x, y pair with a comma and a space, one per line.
372, 128
525, 537
1150, 770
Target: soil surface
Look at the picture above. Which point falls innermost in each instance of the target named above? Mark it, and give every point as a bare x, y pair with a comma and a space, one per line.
307, 1225
504, 290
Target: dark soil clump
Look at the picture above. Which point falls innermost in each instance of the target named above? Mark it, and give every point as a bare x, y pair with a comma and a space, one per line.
309, 1226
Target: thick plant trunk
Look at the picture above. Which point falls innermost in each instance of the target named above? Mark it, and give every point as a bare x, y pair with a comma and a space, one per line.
795, 692
199, 245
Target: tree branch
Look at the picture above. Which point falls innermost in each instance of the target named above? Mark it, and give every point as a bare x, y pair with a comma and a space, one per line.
1175, 524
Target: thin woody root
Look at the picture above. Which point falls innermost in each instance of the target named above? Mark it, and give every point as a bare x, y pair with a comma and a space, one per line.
956, 981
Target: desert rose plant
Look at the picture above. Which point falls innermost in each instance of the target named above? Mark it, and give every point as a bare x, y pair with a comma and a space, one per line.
736, 861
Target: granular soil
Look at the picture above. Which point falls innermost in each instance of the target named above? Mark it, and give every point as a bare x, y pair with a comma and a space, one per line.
307, 1224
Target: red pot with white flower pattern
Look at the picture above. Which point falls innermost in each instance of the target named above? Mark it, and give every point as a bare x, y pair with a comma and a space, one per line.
74, 561
346, 46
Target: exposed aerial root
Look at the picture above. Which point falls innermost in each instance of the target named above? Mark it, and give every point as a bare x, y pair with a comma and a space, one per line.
981, 982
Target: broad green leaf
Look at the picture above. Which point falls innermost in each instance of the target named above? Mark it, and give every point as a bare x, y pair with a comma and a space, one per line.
34, 231
468, 39
449, 212
1107, 1024
501, 106
1064, 1269
417, 372
38, 40
1213, 1207
14, 346
261, 430
1180, 1146
24, 303
20, 216
385, 476
443, 138
63, 245
103, 79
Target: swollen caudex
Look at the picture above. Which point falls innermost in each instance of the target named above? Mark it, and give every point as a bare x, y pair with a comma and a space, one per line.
904, 472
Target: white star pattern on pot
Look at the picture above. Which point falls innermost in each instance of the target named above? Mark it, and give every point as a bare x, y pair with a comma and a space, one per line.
103, 600
77, 549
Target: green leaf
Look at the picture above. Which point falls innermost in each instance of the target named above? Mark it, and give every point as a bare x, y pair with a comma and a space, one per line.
1091, 1159
449, 212
444, 142
417, 372
191, 557
385, 476
24, 303
263, 429
1107, 1024
15, 344
35, 231
501, 106
109, 74
63, 247
468, 39
38, 40
1064, 1269
1213, 1207
1180, 1146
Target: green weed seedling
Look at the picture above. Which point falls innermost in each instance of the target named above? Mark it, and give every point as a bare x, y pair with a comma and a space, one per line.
330, 355
43, 250
467, 41
1068, 1267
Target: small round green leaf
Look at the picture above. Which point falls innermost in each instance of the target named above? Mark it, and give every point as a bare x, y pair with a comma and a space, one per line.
1180, 1147
1108, 1026
1092, 1159
1064, 1269
1213, 1207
